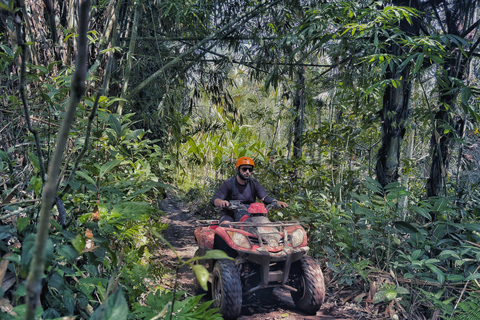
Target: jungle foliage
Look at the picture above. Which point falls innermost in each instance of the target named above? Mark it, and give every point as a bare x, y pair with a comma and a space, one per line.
362, 115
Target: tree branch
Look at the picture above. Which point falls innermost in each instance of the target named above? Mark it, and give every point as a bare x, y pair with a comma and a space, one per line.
86, 145
249, 64
223, 32
166, 38
37, 267
470, 29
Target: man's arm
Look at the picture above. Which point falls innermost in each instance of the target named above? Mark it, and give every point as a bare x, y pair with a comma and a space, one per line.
218, 199
220, 203
269, 200
262, 194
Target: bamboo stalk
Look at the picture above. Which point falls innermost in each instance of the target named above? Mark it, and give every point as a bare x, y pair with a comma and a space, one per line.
53, 28
131, 51
37, 267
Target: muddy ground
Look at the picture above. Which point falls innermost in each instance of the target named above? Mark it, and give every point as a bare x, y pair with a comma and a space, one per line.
182, 224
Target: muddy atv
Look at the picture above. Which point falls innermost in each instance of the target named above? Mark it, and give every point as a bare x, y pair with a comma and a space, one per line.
266, 255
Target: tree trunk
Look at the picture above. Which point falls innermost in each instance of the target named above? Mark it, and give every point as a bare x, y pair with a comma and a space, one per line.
458, 20
403, 203
395, 107
71, 42
439, 144
299, 107
394, 114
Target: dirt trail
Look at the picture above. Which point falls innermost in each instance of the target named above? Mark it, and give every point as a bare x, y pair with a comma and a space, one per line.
280, 305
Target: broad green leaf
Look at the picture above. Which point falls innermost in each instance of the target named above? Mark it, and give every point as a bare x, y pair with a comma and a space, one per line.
84, 175
68, 252
115, 125
373, 185
22, 223
441, 205
37, 184
422, 211
418, 63
115, 308
437, 271
416, 254
109, 166
79, 243
27, 252
202, 275
445, 254
69, 301
113, 100
406, 227
134, 134
5, 7
402, 290
390, 294
21, 291
473, 276
34, 161
455, 278
379, 297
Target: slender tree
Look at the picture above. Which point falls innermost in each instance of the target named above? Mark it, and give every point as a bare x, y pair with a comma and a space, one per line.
299, 109
396, 99
34, 287
457, 20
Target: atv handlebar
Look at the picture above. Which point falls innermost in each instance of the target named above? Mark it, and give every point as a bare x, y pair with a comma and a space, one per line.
273, 205
237, 204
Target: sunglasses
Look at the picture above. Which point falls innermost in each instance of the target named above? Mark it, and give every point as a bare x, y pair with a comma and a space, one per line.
246, 169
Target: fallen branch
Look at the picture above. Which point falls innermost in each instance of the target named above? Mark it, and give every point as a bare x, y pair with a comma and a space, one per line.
18, 203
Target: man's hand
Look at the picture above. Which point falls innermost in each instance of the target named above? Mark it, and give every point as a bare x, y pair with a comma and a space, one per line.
282, 204
221, 203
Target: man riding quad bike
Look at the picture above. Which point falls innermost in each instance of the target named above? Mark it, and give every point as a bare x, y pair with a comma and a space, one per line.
241, 187
265, 255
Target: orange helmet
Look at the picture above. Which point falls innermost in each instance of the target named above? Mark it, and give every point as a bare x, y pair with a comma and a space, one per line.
244, 161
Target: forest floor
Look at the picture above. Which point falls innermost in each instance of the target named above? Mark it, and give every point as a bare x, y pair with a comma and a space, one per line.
180, 234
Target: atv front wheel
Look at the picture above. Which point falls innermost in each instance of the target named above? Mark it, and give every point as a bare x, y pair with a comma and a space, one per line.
227, 289
306, 276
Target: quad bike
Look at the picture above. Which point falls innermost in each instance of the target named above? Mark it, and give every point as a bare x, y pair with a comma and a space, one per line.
266, 255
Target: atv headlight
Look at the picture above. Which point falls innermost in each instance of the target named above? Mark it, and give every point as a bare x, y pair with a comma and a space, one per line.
239, 239
297, 237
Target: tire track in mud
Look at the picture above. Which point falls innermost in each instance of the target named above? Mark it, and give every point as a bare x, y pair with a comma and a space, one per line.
257, 306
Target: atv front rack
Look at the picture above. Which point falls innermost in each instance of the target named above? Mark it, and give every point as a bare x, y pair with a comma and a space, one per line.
260, 237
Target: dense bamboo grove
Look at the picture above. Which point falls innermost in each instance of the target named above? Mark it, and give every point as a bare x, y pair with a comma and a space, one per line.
363, 115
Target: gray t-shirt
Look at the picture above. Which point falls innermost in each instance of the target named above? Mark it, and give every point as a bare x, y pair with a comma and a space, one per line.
247, 193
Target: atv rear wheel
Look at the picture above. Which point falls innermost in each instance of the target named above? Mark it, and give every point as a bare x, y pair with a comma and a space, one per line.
307, 277
227, 289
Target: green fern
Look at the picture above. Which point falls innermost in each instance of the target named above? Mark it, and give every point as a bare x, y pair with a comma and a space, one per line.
468, 310
160, 304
